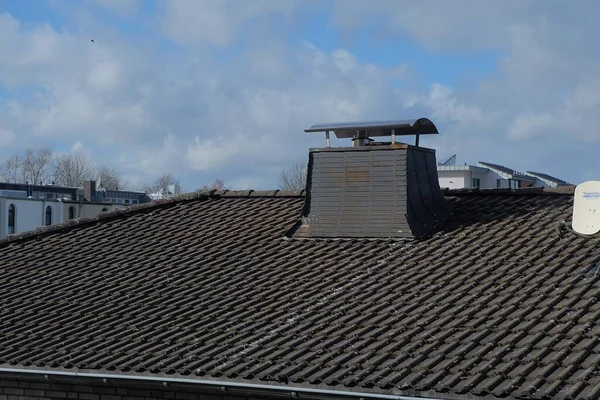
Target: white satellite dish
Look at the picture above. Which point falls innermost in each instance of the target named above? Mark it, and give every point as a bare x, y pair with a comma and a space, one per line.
586, 210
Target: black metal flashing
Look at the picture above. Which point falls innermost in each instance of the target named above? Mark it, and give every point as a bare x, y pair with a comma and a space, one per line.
418, 126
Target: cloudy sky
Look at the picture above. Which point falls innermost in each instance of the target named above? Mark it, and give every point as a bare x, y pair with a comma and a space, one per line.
209, 89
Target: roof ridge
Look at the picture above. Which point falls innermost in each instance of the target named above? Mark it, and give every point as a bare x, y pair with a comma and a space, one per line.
208, 194
135, 208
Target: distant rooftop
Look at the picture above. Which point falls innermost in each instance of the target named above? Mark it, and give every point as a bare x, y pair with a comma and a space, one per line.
503, 170
548, 178
465, 167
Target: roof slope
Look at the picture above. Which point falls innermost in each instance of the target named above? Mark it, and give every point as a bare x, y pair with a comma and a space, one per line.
207, 288
505, 170
501, 168
549, 178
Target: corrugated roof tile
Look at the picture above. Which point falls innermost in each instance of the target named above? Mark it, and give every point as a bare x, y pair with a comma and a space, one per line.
206, 285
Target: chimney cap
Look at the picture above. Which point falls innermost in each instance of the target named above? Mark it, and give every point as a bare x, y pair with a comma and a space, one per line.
419, 126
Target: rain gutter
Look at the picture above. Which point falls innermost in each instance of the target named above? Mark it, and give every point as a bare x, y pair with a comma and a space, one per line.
223, 385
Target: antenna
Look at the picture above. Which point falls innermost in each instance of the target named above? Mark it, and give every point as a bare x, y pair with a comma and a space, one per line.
586, 208
450, 161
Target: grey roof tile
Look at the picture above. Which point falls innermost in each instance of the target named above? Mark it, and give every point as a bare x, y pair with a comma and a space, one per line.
207, 286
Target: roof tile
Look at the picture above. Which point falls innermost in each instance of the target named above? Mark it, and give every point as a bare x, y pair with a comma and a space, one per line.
207, 285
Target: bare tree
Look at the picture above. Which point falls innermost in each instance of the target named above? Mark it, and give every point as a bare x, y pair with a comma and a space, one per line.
218, 184
36, 165
109, 178
72, 169
127, 184
293, 178
162, 183
11, 170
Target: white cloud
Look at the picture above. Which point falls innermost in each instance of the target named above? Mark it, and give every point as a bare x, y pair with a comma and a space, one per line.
549, 56
205, 155
7, 137
217, 22
151, 161
119, 7
241, 117
445, 106
528, 125
437, 24
78, 147
248, 182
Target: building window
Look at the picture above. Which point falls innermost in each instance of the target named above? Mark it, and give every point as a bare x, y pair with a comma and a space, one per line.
476, 182
48, 215
11, 218
126, 201
71, 212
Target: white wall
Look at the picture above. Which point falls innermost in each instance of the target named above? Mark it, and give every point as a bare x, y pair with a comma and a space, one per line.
83, 210
460, 179
29, 214
489, 180
454, 179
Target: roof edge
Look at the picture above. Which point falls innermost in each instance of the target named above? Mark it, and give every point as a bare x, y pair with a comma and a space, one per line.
136, 208
224, 385
543, 176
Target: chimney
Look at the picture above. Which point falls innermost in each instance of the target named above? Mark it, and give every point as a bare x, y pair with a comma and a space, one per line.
89, 190
372, 189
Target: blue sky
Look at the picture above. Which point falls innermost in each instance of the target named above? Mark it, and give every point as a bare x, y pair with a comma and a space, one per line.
208, 89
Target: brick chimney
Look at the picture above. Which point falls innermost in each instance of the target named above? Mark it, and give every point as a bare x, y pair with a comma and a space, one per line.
372, 190
89, 190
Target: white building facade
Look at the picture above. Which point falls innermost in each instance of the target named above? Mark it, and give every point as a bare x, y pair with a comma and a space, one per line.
25, 207
491, 176
19, 215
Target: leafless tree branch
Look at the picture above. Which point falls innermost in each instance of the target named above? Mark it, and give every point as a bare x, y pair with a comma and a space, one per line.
11, 170
162, 183
293, 178
72, 169
109, 178
36, 165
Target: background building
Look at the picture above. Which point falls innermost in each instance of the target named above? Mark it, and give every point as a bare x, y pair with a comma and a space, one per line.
486, 175
25, 207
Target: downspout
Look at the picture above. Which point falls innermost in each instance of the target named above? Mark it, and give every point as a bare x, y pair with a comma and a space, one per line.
293, 391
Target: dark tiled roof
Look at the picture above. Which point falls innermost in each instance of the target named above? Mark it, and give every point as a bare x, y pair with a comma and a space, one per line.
550, 178
207, 287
